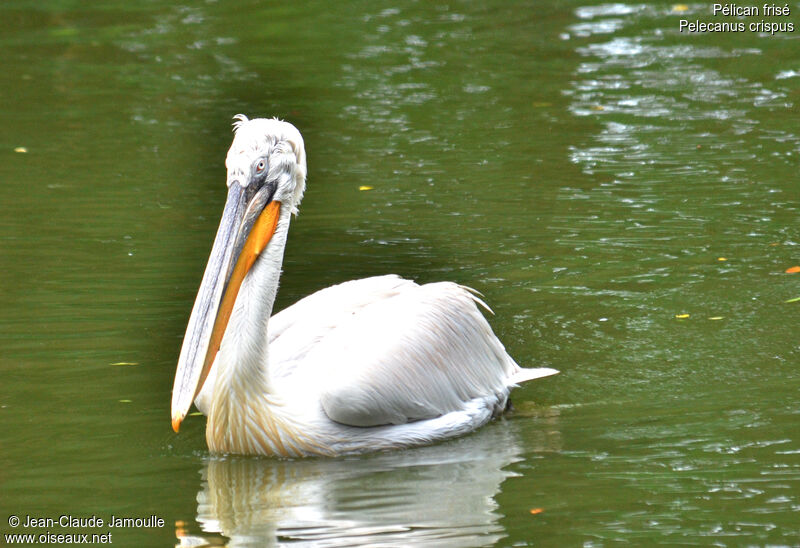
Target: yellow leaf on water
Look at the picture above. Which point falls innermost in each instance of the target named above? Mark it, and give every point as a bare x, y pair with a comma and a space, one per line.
22, 150
680, 8
715, 318
793, 270
535, 511
365, 187
681, 316
125, 401
721, 259
124, 363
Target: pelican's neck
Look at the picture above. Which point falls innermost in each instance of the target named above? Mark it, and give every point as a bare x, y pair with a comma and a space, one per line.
248, 414
243, 353
242, 397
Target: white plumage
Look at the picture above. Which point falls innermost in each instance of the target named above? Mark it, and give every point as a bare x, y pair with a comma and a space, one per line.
365, 365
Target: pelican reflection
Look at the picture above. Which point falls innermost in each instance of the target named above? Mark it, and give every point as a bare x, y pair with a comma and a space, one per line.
441, 495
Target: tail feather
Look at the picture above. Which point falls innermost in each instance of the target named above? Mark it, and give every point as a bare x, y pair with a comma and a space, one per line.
523, 374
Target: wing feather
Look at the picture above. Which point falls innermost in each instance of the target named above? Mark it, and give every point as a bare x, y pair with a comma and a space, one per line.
299, 328
418, 353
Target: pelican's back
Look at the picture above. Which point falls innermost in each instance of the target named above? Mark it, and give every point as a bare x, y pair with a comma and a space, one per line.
405, 353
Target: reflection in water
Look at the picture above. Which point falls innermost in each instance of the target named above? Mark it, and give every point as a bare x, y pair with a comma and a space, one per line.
438, 495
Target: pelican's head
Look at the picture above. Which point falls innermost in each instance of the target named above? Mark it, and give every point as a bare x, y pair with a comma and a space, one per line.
268, 150
266, 172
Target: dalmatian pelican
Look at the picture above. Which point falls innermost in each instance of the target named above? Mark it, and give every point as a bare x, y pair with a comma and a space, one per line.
366, 365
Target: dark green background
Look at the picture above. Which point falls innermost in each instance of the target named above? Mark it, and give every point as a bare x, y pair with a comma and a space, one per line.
586, 167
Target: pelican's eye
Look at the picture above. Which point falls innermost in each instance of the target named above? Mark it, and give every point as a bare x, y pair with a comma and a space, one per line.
261, 166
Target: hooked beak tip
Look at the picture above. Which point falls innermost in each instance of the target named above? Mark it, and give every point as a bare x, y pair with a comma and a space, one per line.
176, 423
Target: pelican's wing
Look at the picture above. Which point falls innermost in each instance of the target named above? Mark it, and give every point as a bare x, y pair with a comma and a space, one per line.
296, 330
418, 353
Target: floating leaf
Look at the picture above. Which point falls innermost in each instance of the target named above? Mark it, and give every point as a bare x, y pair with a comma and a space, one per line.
195, 414
21, 150
124, 363
721, 259
715, 318
681, 316
793, 270
680, 8
365, 187
535, 511
793, 300
125, 401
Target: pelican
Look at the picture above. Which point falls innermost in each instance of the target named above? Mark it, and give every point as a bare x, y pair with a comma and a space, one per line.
366, 365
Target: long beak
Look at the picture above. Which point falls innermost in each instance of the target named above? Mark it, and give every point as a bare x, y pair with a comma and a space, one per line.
248, 222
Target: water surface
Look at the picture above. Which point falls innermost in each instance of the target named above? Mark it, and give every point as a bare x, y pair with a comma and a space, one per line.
623, 195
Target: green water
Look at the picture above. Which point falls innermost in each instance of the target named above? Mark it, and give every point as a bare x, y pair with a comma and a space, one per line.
586, 167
